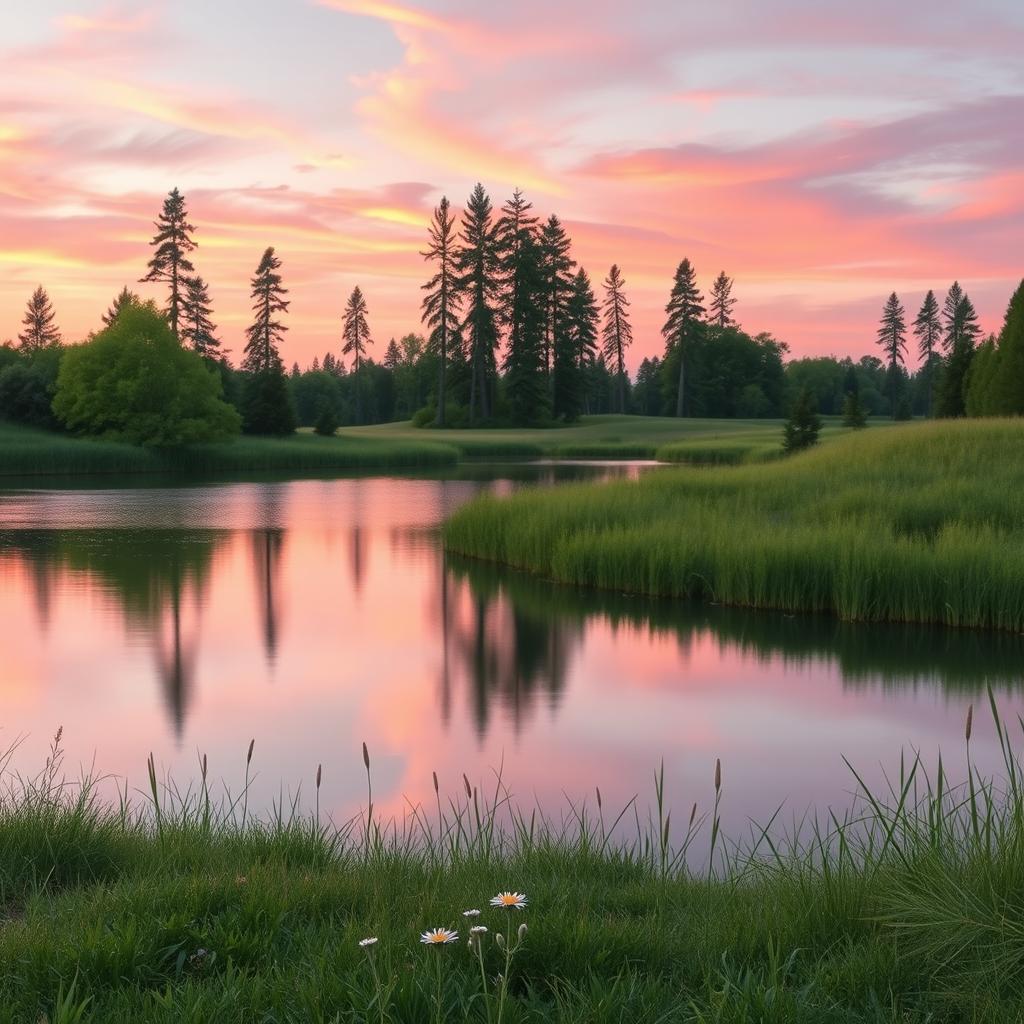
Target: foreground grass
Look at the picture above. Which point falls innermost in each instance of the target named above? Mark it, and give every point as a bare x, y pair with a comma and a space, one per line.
921, 523
668, 439
907, 908
25, 452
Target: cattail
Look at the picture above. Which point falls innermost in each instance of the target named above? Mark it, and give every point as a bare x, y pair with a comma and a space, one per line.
469, 788
436, 790
970, 721
318, 770
366, 756
598, 788
693, 814
248, 757
204, 766
718, 774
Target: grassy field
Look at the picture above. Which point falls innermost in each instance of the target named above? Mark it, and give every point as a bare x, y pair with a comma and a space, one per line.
25, 452
617, 437
920, 523
905, 909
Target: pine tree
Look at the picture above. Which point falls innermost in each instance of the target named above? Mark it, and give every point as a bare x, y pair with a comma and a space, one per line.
804, 424
1006, 387
266, 401
928, 331
125, 297
617, 333
960, 320
684, 310
173, 242
722, 302
478, 266
960, 333
574, 348
441, 303
39, 322
558, 265
525, 383
853, 412
393, 355
356, 329
892, 337
197, 329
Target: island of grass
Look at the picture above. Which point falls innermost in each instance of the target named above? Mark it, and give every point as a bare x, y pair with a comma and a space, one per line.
905, 909
918, 523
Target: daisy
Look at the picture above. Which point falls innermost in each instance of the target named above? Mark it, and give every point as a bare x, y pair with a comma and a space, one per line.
372, 941
478, 929
509, 900
439, 937
471, 913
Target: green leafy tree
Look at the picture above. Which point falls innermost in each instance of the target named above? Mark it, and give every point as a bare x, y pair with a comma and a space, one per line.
125, 297
722, 302
526, 285
892, 338
27, 386
478, 265
617, 333
683, 312
928, 330
440, 311
197, 328
172, 244
132, 381
803, 426
266, 400
39, 323
327, 422
558, 266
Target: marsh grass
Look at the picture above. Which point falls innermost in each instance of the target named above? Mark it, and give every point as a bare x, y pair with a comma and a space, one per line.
907, 906
25, 452
922, 523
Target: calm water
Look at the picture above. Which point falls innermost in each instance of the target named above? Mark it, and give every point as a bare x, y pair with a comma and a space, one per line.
314, 615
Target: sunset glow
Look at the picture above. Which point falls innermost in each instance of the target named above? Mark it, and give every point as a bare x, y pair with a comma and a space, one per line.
822, 155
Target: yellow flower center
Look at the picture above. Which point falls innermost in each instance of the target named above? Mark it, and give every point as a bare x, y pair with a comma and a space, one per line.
509, 901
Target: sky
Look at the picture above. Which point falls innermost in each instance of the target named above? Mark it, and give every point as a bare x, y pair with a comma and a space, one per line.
821, 154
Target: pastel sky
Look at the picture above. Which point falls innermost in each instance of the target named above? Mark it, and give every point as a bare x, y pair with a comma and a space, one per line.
823, 154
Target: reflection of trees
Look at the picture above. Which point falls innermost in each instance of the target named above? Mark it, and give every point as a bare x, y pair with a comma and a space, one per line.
267, 546
894, 656
153, 575
510, 652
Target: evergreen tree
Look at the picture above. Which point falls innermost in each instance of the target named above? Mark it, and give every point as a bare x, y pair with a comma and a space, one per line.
722, 302
928, 331
892, 337
647, 401
961, 330
39, 322
266, 402
1003, 391
853, 412
296, 372
526, 288
574, 348
173, 242
558, 265
441, 303
197, 329
356, 336
125, 297
393, 355
683, 310
960, 320
478, 265
617, 333
803, 426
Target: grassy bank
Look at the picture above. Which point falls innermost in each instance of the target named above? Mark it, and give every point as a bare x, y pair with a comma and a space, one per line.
904, 909
25, 452
611, 437
921, 523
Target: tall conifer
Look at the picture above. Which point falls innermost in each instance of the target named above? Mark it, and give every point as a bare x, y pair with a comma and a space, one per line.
440, 310
722, 302
40, 327
618, 332
172, 242
683, 311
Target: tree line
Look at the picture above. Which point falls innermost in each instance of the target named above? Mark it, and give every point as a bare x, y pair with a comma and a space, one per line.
514, 333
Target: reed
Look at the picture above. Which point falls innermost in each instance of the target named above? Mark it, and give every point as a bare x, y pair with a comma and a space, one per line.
903, 906
922, 523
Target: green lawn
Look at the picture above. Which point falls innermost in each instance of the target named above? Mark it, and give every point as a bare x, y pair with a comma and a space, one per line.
645, 437
904, 910
922, 522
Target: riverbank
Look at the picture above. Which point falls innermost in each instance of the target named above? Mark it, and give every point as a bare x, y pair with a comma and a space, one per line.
904, 909
917, 523
25, 452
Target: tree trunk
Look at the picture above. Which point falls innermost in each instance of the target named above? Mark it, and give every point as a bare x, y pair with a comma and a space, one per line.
682, 370
441, 367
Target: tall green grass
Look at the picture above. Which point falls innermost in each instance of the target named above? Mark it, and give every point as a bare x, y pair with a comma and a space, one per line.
25, 452
923, 523
904, 907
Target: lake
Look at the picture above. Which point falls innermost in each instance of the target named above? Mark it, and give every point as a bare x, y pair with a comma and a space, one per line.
315, 615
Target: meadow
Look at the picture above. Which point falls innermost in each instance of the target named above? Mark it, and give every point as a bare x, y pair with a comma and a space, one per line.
27, 452
174, 906
918, 523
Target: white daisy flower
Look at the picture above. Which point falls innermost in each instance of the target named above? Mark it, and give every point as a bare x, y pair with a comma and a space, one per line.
509, 900
478, 929
371, 941
439, 937
471, 913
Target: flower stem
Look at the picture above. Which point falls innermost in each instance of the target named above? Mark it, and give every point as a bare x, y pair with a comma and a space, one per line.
437, 998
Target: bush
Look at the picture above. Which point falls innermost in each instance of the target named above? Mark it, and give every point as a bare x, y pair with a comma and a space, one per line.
327, 422
27, 388
803, 425
853, 414
267, 404
133, 382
